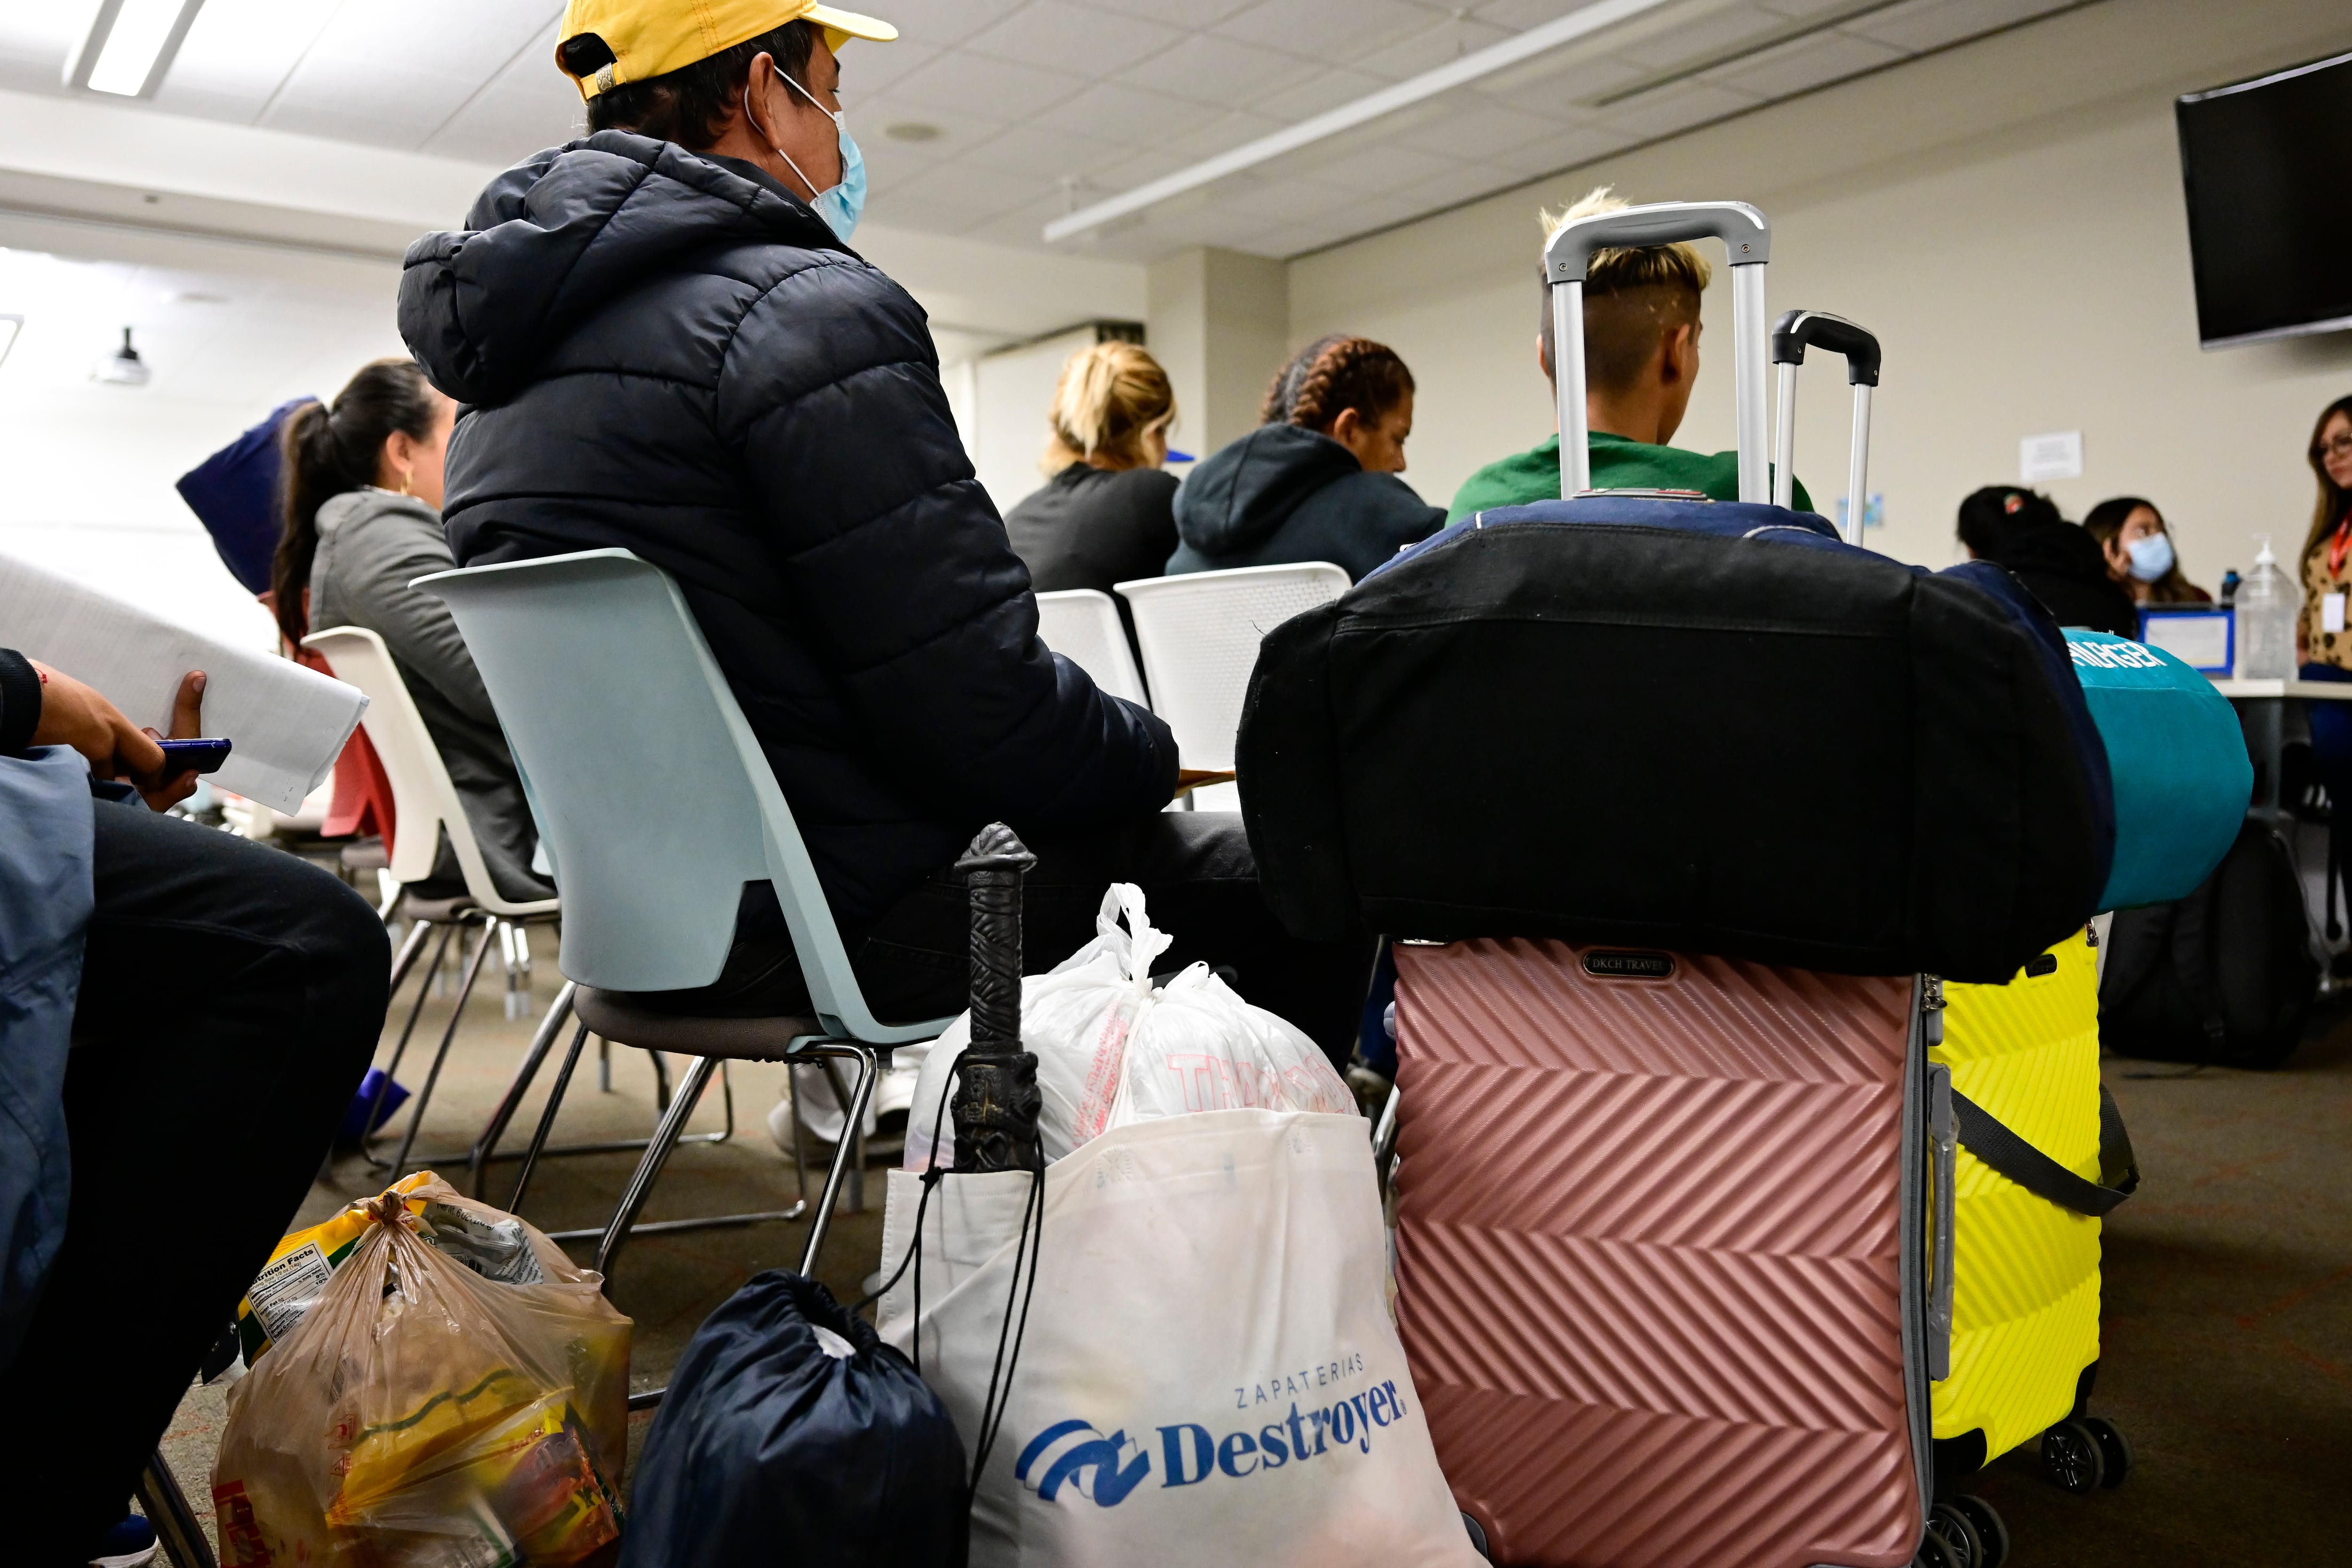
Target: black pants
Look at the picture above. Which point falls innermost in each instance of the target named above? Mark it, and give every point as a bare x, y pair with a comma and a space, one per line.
231, 996
1198, 882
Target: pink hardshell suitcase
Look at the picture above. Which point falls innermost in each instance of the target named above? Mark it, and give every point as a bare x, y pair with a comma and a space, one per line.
1661, 1253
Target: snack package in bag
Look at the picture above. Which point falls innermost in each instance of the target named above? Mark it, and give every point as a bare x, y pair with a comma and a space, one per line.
454, 1395
1206, 1371
1112, 1050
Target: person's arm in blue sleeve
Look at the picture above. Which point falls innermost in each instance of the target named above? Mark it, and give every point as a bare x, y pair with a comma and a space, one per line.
896, 559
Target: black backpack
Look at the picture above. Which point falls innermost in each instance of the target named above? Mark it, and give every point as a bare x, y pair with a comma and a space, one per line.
1710, 727
2226, 975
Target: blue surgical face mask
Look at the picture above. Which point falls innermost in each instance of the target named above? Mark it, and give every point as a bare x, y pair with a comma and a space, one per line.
2151, 557
843, 205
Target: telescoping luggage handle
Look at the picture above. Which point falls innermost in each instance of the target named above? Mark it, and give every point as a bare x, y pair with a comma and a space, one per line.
1791, 335
1567, 255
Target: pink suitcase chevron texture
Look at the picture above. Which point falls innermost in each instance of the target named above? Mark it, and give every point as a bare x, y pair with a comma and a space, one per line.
1649, 1250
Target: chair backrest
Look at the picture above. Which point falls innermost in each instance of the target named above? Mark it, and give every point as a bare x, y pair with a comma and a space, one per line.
424, 801
1200, 633
655, 799
1082, 625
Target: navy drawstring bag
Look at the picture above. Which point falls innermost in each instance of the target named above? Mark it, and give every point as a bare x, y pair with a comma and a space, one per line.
791, 1434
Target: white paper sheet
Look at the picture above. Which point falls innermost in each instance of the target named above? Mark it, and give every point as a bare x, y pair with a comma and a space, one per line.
289, 724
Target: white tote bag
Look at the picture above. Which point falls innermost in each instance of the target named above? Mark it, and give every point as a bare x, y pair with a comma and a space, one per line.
1208, 1372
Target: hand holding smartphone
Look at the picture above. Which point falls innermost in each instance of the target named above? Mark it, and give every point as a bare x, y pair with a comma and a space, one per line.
202, 756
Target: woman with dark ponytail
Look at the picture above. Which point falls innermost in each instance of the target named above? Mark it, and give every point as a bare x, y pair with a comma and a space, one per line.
1316, 481
362, 497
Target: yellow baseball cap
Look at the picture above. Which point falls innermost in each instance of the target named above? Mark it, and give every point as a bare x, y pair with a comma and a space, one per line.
653, 37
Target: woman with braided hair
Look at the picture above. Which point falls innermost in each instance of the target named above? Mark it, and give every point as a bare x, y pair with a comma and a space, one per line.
1317, 480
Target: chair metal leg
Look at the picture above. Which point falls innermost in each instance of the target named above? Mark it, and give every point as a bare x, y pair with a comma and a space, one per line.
541, 1043
433, 1076
409, 945
661, 1080
641, 1183
852, 1133
604, 1065
863, 1056
166, 1507
400, 1046
547, 1118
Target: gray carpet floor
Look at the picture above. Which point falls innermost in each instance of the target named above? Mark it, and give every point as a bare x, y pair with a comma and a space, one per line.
2227, 1332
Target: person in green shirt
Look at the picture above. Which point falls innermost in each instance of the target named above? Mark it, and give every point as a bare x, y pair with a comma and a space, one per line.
1641, 360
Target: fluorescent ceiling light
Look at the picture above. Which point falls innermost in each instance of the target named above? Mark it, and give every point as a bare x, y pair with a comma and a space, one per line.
1470, 67
130, 45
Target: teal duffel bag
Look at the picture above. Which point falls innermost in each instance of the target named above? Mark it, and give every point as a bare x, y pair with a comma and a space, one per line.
2183, 777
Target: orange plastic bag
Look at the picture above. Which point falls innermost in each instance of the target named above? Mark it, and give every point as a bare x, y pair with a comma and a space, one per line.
422, 1415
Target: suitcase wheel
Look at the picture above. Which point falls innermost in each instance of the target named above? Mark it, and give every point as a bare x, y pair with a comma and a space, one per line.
1992, 1531
1960, 1533
2113, 1449
2071, 1460
1937, 1551
1477, 1537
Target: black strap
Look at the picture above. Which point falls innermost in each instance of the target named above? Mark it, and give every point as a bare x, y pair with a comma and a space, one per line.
1985, 1137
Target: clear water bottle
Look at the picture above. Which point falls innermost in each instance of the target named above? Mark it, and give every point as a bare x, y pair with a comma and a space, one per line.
2266, 610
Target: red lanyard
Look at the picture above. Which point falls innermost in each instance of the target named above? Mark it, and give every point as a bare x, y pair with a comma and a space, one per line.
2338, 547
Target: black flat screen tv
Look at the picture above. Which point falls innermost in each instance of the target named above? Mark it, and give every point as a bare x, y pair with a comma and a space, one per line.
2268, 167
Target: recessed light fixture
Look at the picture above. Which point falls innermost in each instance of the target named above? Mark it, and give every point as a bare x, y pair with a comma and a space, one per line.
10, 326
130, 46
123, 367
911, 131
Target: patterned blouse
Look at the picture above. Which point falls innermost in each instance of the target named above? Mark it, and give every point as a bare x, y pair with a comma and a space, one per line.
2327, 570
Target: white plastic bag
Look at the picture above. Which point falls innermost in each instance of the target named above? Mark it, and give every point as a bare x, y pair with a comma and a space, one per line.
1207, 1372
1111, 1050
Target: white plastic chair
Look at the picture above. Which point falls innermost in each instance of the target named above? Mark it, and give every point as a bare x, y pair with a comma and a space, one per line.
1200, 633
1082, 625
659, 805
425, 802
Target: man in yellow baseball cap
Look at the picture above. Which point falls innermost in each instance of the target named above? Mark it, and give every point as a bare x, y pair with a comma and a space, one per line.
669, 68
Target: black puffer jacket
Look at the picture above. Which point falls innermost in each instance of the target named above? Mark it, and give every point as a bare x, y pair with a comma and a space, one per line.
673, 354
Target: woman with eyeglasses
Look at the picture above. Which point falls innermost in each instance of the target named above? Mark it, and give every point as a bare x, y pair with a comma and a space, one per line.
2320, 637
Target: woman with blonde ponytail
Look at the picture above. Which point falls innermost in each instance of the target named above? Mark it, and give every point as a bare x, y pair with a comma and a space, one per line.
1107, 514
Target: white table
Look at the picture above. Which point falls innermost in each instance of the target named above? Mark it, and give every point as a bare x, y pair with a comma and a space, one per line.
2262, 706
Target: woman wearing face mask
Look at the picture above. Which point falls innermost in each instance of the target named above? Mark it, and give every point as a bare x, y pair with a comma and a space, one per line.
1318, 480
2138, 547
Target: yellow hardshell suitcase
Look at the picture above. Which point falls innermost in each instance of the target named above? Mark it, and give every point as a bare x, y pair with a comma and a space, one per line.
2025, 1269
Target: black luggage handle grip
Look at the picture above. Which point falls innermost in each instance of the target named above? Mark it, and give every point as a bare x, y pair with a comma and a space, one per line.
1800, 329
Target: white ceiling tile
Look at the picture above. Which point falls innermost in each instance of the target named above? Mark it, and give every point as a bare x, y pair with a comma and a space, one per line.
869, 69
1376, 168
1800, 10
1428, 47
1928, 23
1327, 29
993, 89
529, 106
1188, 14
1219, 70
1028, 149
389, 106
937, 24
1074, 38
237, 53
1326, 88
1564, 151
1466, 126
1705, 36
1222, 134
1130, 170
1518, 16
1805, 63
1129, 113
871, 119
457, 38
1558, 83
1676, 107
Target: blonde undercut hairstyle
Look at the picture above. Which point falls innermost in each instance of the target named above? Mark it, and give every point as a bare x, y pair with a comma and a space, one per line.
1633, 297
1112, 399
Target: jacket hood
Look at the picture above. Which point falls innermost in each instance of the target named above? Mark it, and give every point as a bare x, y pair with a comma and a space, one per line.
1238, 497
353, 506
558, 235
2065, 549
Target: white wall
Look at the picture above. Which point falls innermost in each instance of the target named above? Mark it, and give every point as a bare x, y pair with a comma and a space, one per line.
2006, 216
